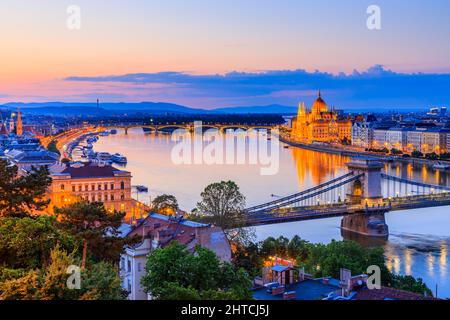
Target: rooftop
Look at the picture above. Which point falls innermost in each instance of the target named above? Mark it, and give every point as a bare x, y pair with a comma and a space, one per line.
305, 290
389, 294
91, 170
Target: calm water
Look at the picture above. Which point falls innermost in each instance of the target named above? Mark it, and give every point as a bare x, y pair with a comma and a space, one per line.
419, 239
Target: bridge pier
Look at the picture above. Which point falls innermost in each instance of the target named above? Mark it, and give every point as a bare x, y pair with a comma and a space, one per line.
366, 191
371, 225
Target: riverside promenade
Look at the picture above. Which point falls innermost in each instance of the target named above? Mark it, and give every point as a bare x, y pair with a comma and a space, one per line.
345, 151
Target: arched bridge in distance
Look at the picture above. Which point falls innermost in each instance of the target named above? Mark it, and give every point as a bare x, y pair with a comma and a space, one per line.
362, 197
191, 126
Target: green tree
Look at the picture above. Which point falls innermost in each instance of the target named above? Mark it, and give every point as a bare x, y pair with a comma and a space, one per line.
26, 243
432, 156
409, 283
396, 151
93, 226
20, 195
165, 204
98, 282
327, 260
223, 205
175, 273
416, 154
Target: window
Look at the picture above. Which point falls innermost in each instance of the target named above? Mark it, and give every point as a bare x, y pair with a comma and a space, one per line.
99, 187
93, 198
99, 197
106, 197
139, 267
93, 187
80, 188
62, 187
122, 197
112, 186
129, 266
106, 186
112, 197
86, 187
73, 188
122, 185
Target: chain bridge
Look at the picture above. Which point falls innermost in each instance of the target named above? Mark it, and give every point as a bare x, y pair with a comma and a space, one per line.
362, 197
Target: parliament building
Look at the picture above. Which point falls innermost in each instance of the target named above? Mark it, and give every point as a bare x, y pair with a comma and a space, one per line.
320, 124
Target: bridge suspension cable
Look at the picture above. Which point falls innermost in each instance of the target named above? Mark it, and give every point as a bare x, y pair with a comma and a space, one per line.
412, 183
306, 194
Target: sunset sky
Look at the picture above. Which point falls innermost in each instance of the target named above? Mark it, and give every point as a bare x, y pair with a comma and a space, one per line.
188, 52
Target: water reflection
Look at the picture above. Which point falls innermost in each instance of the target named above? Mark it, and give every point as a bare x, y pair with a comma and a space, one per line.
317, 166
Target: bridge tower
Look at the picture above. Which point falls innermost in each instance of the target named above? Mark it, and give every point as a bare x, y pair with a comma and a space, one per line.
366, 191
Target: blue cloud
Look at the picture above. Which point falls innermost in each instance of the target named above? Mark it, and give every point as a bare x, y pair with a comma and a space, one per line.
376, 87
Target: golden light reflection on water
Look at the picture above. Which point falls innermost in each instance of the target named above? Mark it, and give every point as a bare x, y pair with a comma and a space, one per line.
408, 260
443, 258
424, 173
316, 165
430, 263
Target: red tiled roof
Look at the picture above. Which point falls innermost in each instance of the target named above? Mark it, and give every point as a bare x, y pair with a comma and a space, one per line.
166, 230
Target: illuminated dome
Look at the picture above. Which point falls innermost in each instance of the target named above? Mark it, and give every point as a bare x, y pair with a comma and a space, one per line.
319, 105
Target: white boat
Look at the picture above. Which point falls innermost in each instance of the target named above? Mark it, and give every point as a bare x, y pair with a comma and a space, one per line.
118, 158
441, 166
104, 156
92, 139
104, 133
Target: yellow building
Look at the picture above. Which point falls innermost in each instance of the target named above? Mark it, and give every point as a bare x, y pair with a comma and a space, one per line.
94, 183
320, 124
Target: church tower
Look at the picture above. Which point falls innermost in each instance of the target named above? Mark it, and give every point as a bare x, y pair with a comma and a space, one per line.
11, 123
19, 128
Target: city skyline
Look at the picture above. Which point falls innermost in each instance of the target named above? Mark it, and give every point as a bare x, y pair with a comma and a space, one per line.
264, 53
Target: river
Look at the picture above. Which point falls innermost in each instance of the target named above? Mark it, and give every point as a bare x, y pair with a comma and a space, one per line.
419, 239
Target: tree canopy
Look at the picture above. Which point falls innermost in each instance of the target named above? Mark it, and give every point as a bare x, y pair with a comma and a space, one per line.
94, 227
21, 194
27, 242
165, 204
223, 205
175, 273
98, 282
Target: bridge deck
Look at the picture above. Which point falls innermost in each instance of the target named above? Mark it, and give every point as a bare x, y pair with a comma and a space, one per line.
321, 212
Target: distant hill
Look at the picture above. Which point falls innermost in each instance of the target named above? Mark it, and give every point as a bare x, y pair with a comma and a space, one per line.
80, 108
273, 109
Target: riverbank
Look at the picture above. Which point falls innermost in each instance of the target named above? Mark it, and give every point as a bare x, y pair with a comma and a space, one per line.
353, 153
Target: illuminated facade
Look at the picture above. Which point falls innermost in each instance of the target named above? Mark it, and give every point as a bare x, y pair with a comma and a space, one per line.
320, 124
94, 183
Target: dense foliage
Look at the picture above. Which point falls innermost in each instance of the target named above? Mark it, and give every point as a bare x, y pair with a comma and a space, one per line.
26, 242
99, 281
21, 194
94, 227
175, 273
